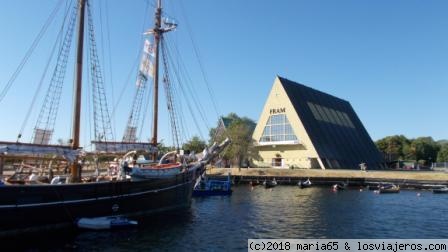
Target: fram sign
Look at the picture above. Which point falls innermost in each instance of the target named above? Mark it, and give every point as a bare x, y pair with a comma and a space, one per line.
277, 111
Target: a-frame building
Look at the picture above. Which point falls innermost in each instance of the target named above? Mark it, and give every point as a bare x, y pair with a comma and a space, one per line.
301, 127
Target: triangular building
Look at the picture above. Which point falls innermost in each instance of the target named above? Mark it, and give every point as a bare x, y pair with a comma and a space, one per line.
301, 127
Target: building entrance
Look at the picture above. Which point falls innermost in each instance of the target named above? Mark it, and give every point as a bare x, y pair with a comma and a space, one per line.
277, 162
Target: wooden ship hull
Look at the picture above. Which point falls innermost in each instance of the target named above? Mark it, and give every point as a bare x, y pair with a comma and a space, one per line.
32, 208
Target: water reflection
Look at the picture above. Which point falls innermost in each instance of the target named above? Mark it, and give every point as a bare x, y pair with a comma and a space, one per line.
225, 223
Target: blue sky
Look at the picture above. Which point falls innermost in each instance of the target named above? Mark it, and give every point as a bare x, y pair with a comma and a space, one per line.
389, 59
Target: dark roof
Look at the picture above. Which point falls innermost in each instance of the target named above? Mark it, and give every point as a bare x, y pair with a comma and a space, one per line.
335, 130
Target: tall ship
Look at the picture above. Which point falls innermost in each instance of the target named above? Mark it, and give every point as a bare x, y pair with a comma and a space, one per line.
141, 186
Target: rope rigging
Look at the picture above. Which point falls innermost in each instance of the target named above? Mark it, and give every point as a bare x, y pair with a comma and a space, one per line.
44, 127
109, 54
101, 118
30, 50
147, 111
144, 72
102, 128
169, 97
42, 79
130, 134
129, 137
201, 66
187, 90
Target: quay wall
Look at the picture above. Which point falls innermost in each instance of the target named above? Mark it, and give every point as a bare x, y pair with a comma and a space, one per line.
406, 179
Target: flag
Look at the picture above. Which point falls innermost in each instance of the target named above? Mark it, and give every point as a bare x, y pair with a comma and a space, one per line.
148, 48
146, 66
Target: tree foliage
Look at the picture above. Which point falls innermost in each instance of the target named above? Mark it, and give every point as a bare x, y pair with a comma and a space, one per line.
395, 147
162, 148
239, 130
442, 156
398, 147
425, 148
195, 144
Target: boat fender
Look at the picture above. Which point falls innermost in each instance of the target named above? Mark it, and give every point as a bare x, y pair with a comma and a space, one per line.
56, 180
33, 177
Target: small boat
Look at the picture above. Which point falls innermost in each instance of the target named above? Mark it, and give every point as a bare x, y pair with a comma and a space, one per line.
212, 187
269, 183
440, 190
389, 189
307, 183
378, 186
106, 222
338, 187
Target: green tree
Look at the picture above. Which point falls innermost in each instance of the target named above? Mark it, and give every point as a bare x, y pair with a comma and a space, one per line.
422, 149
162, 148
394, 147
409, 152
195, 144
239, 130
425, 149
442, 155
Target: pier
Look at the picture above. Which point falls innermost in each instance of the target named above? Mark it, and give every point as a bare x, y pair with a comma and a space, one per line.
405, 179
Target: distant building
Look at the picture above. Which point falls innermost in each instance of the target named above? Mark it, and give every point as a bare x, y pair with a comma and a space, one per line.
223, 124
301, 127
219, 133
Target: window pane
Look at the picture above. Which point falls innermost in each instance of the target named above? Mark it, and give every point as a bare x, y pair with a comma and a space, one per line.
314, 111
278, 128
274, 119
288, 129
290, 137
278, 138
267, 131
265, 139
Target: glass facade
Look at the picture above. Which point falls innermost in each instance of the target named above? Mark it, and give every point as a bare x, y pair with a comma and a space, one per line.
278, 129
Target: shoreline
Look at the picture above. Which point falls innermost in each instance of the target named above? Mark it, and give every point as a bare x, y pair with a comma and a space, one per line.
406, 179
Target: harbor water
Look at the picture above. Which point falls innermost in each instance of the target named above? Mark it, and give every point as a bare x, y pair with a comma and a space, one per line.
225, 223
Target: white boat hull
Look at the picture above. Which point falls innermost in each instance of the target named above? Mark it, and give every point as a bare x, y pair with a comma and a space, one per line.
107, 222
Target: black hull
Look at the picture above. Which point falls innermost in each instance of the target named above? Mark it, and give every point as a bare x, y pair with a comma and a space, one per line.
31, 208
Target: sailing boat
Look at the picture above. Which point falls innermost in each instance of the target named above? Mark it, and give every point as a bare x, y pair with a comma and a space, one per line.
152, 188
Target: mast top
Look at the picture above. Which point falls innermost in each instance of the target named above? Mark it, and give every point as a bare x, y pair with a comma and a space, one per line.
158, 29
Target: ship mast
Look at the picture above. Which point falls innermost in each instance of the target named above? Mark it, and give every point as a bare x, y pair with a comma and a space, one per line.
157, 34
75, 169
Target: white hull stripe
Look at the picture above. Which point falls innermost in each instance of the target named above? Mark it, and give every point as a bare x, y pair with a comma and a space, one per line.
65, 202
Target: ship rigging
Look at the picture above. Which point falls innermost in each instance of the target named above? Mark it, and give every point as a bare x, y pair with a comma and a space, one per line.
34, 202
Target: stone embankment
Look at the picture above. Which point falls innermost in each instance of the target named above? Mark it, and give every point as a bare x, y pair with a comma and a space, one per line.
410, 179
